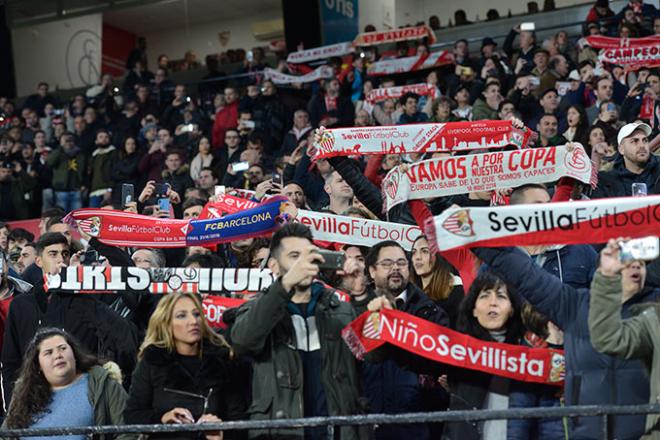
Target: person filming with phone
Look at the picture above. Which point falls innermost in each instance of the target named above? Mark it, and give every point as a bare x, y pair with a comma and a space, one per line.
302, 367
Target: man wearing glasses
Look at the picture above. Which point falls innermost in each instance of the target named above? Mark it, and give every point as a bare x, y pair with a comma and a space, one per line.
391, 386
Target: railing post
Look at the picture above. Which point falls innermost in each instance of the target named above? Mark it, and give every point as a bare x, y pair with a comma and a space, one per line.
331, 432
607, 429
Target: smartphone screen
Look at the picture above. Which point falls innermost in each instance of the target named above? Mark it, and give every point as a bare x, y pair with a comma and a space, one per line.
219, 190
161, 190
164, 205
240, 166
278, 178
127, 194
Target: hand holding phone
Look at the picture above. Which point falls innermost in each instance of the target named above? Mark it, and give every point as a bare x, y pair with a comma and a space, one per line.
127, 194
238, 167
334, 260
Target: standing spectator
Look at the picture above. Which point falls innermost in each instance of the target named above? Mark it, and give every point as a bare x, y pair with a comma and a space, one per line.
339, 192
226, 117
202, 159
634, 164
548, 131
293, 304
176, 172
410, 113
462, 54
38, 101
69, 168
522, 58
16, 187
186, 373
268, 114
603, 90
463, 108
329, 108
599, 13
229, 154
608, 121
100, 169
151, 163
485, 107
299, 130
578, 127
125, 168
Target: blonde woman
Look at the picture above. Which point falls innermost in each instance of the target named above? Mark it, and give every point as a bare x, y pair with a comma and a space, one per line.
185, 373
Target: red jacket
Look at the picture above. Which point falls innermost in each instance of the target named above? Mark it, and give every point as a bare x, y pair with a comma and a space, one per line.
225, 119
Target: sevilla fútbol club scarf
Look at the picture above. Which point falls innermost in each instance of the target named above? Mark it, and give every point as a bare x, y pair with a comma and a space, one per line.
422, 138
423, 89
395, 35
319, 53
226, 204
410, 64
119, 228
283, 78
485, 172
581, 222
423, 338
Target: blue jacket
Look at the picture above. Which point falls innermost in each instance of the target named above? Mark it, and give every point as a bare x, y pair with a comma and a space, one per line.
573, 265
592, 378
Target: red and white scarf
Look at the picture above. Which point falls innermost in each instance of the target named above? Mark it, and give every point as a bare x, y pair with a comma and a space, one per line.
277, 77
602, 42
593, 221
422, 138
632, 57
485, 172
318, 53
394, 35
379, 95
410, 64
432, 341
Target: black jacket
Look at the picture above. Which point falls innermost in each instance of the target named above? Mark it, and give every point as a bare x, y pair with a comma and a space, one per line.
98, 328
162, 382
618, 181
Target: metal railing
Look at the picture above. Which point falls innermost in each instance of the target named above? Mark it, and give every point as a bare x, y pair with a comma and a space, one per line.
605, 413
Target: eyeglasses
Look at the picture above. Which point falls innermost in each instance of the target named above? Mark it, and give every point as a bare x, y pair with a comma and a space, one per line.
388, 264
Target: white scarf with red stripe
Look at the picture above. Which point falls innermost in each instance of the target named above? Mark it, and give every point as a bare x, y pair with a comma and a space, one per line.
395, 35
410, 64
423, 89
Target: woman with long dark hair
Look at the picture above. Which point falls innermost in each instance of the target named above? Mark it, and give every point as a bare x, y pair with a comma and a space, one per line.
433, 274
489, 312
125, 168
578, 127
186, 373
62, 385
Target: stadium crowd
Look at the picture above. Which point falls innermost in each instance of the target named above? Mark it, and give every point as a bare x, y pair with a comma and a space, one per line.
136, 358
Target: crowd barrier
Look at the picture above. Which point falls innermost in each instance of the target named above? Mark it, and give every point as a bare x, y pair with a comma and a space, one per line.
331, 423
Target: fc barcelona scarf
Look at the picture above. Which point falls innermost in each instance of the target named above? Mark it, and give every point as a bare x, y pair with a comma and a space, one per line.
593, 221
422, 138
423, 338
119, 228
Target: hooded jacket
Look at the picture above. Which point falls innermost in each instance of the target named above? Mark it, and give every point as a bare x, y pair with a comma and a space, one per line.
592, 378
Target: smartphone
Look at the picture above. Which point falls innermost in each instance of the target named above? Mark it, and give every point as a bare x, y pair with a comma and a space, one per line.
164, 205
161, 190
219, 190
534, 82
127, 194
467, 71
90, 257
188, 128
249, 56
646, 249
334, 260
248, 124
639, 190
238, 167
278, 178
529, 26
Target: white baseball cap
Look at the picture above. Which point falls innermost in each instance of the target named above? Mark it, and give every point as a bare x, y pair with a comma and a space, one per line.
628, 129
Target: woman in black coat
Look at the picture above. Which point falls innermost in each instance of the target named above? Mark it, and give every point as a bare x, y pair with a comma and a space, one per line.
186, 373
125, 169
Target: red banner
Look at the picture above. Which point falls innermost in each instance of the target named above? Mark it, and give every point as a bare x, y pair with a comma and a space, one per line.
226, 204
371, 330
601, 42
392, 36
215, 307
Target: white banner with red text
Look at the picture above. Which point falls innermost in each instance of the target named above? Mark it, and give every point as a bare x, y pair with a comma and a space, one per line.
278, 77
410, 64
395, 35
454, 175
320, 53
632, 57
421, 138
370, 331
379, 95
576, 222
603, 42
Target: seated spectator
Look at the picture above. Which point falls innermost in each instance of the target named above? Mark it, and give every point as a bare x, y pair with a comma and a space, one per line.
62, 385
182, 358
441, 110
634, 164
410, 113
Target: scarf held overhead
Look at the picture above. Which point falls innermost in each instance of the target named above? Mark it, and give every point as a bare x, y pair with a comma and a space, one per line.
283, 78
580, 222
454, 175
318, 53
602, 42
632, 57
119, 228
410, 64
416, 335
382, 94
395, 35
421, 138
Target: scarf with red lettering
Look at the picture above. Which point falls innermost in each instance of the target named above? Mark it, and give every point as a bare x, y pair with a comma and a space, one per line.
423, 338
277, 77
395, 35
226, 204
602, 42
323, 52
422, 138
485, 172
632, 58
119, 228
580, 222
423, 89
410, 64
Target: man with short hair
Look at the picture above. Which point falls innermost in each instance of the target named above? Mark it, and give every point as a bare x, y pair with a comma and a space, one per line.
302, 367
98, 328
329, 108
16, 187
603, 90
207, 179
176, 174
69, 168
101, 169
296, 195
27, 256
229, 154
339, 192
548, 131
633, 164
38, 101
485, 107
299, 130
225, 118
192, 208
410, 113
